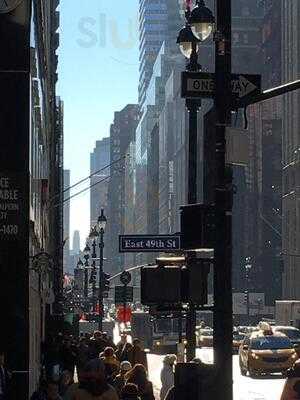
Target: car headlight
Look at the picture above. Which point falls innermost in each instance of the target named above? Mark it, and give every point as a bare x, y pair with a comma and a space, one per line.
157, 343
255, 356
294, 355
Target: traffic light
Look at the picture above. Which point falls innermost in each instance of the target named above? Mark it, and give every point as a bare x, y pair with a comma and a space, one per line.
104, 282
160, 285
194, 281
197, 226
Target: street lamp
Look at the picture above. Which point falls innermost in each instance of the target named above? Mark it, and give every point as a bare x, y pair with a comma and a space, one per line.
248, 267
199, 25
185, 41
86, 256
201, 21
101, 224
93, 277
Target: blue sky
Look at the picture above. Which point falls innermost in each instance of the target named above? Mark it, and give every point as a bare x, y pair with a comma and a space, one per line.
98, 74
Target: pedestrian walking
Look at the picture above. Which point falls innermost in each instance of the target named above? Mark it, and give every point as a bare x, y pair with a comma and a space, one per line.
112, 365
83, 353
66, 380
137, 355
130, 392
48, 390
96, 345
120, 346
167, 374
119, 381
4, 377
138, 376
291, 389
93, 383
68, 356
125, 354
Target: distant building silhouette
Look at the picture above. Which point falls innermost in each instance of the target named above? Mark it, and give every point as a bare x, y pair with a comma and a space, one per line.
76, 242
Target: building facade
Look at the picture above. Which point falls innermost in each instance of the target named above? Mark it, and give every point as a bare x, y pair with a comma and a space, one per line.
67, 239
100, 170
158, 23
30, 161
290, 55
122, 133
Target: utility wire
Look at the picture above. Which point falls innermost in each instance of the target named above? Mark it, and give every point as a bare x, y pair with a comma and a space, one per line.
81, 191
88, 177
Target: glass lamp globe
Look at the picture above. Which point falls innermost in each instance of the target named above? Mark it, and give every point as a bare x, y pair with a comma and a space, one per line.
186, 49
202, 21
185, 41
101, 221
202, 30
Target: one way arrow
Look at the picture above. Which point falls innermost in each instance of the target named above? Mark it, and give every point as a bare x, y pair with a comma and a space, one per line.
242, 86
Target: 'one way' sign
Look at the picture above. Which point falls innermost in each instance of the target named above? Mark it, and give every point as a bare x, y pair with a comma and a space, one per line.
202, 84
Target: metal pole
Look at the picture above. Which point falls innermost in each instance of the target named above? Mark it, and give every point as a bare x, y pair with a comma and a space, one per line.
86, 283
94, 285
101, 246
124, 302
193, 108
223, 323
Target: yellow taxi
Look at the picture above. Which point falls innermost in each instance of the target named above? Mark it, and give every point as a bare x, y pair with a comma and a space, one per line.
265, 352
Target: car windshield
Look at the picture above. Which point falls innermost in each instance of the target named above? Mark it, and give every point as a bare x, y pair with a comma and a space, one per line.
237, 336
270, 343
292, 334
206, 332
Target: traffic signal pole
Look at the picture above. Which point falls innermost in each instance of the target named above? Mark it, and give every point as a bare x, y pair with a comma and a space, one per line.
101, 247
223, 202
192, 106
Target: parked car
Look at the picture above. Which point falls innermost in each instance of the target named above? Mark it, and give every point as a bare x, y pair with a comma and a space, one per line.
266, 352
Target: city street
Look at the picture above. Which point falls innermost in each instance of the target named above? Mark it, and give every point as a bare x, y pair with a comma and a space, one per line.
245, 388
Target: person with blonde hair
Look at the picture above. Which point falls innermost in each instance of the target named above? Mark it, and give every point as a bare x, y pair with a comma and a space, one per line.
167, 374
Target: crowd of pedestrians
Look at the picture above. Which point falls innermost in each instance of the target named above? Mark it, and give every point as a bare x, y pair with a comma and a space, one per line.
94, 368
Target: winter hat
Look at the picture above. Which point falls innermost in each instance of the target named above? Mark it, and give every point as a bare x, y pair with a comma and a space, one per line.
125, 366
170, 359
93, 369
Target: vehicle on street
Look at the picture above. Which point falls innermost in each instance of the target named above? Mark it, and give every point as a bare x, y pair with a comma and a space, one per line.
265, 352
292, 333
204, 337
237, 339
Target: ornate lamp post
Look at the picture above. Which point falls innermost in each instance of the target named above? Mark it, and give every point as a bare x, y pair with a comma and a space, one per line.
101, 224
86, 256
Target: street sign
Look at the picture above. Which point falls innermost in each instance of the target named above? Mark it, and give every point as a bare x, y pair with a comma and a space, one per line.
125, 277
202, 85
123, 294
148, 243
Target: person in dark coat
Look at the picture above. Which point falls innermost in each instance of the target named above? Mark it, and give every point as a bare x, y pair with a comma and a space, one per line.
125, 353
138, 376
291, 389
68, 356
119, 381
137, 355
130, 392
4, 377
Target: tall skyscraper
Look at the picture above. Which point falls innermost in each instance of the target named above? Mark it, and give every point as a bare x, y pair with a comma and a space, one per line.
122, 132
159, 22
66, 211
290, 16
76, 242
99, 159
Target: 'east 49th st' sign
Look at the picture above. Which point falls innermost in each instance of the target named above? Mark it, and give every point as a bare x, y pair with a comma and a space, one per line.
148, 243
